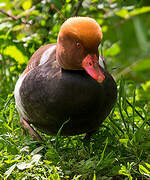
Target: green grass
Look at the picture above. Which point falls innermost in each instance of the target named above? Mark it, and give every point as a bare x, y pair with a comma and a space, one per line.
119, 150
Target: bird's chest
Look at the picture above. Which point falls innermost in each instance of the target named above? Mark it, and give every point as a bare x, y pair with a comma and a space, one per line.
49, 98
60, 93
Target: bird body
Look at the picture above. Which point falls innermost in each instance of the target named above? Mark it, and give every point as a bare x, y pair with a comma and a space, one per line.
64, 81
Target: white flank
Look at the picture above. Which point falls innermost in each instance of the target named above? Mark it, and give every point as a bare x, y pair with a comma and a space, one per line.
101, 63
19, 105
46, 55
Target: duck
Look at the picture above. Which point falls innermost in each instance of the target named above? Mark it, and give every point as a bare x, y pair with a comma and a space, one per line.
66, 84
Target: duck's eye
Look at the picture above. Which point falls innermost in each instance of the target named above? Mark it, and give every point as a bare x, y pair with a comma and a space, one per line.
78, 45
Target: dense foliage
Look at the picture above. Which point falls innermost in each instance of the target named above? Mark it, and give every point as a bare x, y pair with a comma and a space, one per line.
121, 147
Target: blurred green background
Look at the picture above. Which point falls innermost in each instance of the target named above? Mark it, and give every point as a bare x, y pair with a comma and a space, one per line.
25, 25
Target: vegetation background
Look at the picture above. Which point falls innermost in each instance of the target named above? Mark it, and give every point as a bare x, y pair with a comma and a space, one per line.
121, 147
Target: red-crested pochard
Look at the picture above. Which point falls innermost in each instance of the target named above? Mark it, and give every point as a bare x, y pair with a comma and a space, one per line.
67, 81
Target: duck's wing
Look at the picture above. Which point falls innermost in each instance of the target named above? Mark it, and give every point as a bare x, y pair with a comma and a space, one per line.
42, 55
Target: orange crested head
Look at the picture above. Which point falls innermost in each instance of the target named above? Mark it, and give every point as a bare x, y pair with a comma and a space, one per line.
77, 46
83, 29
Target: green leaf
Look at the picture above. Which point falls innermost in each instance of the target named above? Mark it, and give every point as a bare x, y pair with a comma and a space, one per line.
103, 153
142, 65
24, 165
139, 11
1, 145
6, 4
15, 53
12, 148
124, 141
148, 165
125, 171
18, 27
104, 29
27, 4
5, 25
32, 12
9, 171
76, 177
35, 151
146, 86
94, 177
144, 171
113, 50
25, 149
35, 159
123, 13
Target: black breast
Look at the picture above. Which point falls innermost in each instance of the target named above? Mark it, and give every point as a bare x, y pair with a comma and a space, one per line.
51, 96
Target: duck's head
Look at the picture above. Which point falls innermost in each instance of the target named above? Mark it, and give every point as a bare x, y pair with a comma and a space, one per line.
77, 46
